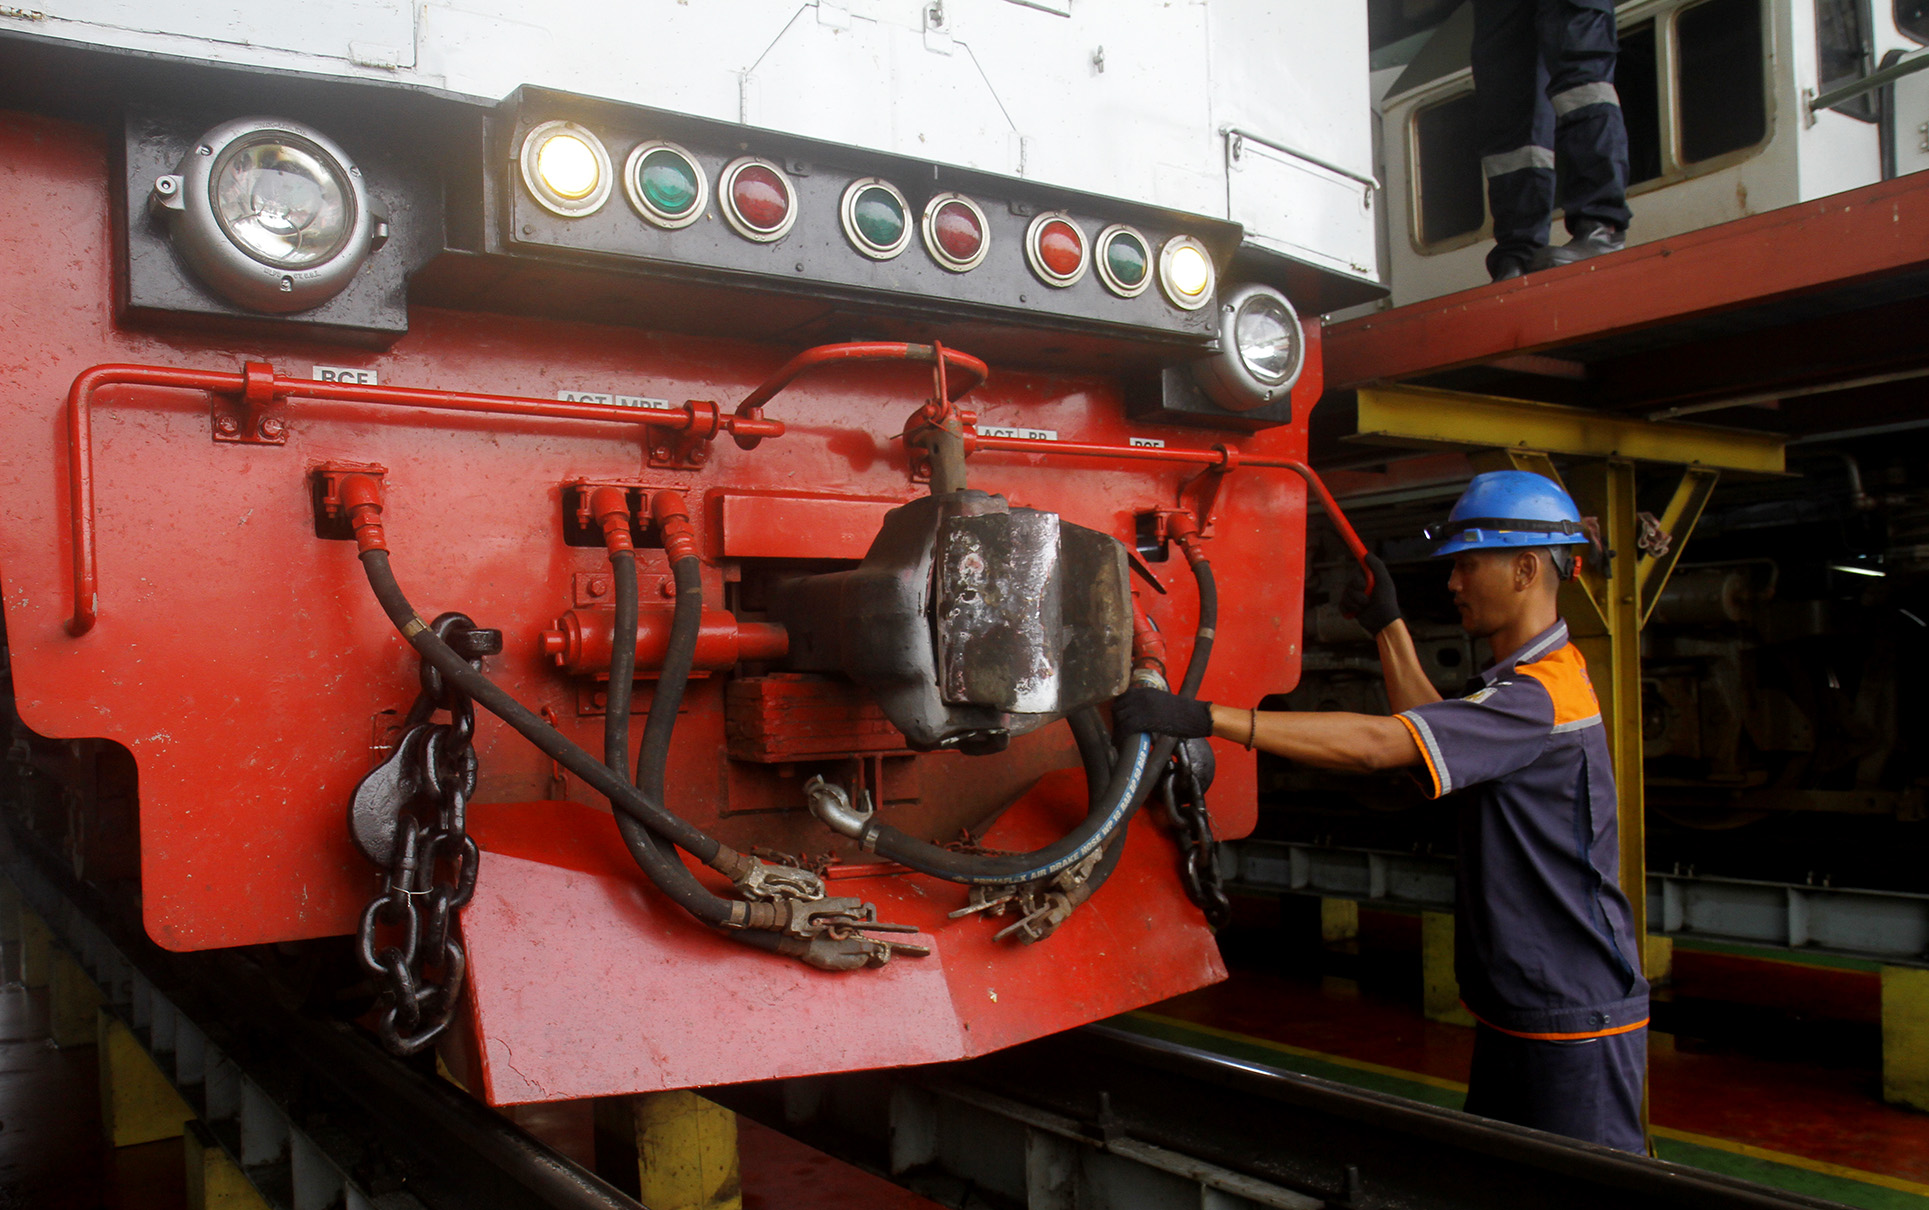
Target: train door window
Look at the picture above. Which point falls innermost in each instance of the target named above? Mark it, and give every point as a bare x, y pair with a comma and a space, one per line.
1912, 18
1452, 192
1637, 80
1844, 51
1719, 85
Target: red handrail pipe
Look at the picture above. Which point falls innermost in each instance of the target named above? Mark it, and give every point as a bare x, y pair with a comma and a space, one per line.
259, 384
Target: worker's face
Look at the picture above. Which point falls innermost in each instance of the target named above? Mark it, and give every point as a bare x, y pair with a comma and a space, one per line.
1490, 586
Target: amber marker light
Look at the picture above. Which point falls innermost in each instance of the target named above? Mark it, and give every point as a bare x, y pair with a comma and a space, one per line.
1185, 272
566, 169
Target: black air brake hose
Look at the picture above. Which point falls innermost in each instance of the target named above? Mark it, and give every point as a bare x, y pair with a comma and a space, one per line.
629, 800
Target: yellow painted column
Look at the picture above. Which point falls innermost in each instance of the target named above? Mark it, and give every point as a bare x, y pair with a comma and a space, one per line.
36, 949
215, 1181
1441, 994
686, 1153
1339, 921
72, 1003
1660, 959
137, 1104
1905, 1036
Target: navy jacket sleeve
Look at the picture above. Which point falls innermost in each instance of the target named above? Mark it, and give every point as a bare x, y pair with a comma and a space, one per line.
1488, 734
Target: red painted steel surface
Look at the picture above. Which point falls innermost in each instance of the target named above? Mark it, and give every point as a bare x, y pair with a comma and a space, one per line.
248, 670
1861, 235
604, 1018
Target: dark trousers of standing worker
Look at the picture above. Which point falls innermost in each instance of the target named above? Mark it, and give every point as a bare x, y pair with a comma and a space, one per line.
1544, 89
1588, 1089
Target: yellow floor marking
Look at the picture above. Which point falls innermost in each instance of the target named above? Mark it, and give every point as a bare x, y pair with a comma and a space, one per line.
1413, 1077
1899, 1184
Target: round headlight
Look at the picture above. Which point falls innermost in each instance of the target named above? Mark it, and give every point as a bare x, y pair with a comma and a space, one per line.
566, 169
1056, 250
758, 200
270, 213
1185, 272
955, 232
1261, 350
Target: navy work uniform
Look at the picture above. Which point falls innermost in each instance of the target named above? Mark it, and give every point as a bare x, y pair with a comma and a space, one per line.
1544, 86
1544, 943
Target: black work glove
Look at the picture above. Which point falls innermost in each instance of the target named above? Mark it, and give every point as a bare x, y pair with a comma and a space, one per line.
1160, 713
1375, 611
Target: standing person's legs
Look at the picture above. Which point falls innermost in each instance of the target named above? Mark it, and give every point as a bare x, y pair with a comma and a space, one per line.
1588, 1090
1515, 127
1578, 47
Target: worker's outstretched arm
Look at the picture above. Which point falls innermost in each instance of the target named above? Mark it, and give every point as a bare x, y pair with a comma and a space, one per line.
1355, 743
1407, 685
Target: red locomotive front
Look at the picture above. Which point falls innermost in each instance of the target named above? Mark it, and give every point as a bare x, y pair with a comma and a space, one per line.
655, 584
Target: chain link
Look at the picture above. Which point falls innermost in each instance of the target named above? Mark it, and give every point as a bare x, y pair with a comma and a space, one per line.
1183, 790
408, 937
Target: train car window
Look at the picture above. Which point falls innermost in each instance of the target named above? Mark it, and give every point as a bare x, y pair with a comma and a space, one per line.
1912, 18
1719, 78
1844, 51
1452, 194
1637, 79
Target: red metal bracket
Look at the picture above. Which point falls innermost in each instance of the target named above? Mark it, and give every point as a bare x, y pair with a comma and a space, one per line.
255, 418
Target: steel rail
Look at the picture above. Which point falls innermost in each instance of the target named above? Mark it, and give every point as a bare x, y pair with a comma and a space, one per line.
259, 384
221, 1031
1102, 1118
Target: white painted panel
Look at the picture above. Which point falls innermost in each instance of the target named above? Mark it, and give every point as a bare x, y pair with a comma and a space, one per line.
1912, 123
317, 29
1291, 205
1296, 75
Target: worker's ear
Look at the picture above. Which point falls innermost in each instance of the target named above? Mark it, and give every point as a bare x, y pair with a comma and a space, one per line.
1528, 569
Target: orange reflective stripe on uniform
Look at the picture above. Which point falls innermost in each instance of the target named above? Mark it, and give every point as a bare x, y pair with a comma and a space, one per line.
1580, 1037
1429, 754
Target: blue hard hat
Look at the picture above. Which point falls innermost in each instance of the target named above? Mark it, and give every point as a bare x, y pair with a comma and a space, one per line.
1512, 508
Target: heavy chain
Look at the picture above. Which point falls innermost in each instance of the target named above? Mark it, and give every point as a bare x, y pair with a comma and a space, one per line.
1183, 790
413, 810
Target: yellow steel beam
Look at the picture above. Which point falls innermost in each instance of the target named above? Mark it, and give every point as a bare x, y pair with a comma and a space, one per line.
1678, 521
1418, 417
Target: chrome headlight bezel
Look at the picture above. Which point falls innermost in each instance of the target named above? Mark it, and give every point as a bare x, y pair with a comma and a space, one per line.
207, 241
1229, 376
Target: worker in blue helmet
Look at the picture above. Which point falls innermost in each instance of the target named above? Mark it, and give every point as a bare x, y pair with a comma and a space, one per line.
1545, 951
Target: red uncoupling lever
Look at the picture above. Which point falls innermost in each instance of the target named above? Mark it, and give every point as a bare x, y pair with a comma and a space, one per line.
580, 642
259, 385
971, 373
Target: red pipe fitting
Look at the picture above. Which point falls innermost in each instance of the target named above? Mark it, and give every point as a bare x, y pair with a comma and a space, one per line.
581, 641
362, 501
1182, 527
610, 506
1148, 645
673, 524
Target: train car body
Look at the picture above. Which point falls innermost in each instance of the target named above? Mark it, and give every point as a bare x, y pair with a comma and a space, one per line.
1717, 99
516, 315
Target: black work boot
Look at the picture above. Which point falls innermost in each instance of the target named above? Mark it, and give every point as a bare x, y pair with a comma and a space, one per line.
1590, 239
1508, 267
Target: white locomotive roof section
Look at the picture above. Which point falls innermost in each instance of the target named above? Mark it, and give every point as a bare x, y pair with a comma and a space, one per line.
1125, 98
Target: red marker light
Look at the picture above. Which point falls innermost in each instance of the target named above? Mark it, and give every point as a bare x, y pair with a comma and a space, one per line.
955, 232
759, 202
1056, 248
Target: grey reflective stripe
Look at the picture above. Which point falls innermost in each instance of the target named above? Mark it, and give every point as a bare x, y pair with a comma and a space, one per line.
1592, 720
1516, 160
1583, 95
1552, 639
1434, 758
